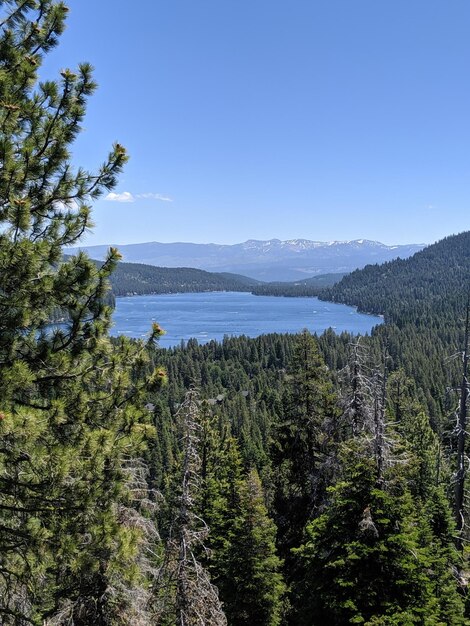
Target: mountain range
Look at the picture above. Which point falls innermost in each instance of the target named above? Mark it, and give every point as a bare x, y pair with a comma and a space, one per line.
271, 260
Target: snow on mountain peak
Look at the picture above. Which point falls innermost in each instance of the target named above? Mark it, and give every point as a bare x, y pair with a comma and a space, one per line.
307, 244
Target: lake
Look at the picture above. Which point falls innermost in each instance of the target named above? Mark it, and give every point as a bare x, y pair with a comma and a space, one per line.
211, 315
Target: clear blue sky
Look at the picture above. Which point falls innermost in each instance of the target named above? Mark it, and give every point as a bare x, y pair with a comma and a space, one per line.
319, 119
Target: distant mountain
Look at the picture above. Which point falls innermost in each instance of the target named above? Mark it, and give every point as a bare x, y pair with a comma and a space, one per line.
272, 260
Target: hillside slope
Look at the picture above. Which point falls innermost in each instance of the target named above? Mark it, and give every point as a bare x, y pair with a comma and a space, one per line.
432, 282
140, 279
423, 300
130, 279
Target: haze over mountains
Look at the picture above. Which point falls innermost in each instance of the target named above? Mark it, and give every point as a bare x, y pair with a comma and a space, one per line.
272, 260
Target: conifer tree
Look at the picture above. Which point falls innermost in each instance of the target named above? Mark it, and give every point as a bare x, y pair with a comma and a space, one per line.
372, 557
420, 442
71, 418
303, 442
255, 590
241, 546
184, 593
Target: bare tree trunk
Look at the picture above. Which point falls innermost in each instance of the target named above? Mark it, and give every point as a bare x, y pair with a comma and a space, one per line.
379, 418
461, 437
183, 586
358, 391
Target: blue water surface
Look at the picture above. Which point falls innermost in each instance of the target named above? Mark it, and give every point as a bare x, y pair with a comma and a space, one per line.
212, 315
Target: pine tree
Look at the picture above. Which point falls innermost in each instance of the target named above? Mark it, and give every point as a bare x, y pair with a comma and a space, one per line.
255, 590
184, 592
304, 441
71, 422
372, 557
241, 546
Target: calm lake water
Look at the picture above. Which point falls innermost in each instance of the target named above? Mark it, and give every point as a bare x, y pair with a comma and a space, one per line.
207, 316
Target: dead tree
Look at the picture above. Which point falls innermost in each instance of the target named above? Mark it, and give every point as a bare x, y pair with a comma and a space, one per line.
380, 398
364, 401
461, 434
186, 595
357, 390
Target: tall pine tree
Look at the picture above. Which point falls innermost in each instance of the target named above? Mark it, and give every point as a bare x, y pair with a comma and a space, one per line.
375, 556
303, 442
70, 416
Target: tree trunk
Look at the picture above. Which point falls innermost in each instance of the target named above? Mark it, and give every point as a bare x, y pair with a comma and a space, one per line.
461, 437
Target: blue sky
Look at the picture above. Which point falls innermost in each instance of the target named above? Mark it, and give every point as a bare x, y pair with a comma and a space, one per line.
255, 119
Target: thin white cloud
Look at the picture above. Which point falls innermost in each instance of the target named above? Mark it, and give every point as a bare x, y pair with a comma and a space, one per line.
154, 196
125, 196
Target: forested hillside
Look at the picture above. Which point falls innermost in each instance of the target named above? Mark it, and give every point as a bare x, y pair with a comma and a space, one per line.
139, 279
308, 287
349, 465
423, 300
391, 413
431, 284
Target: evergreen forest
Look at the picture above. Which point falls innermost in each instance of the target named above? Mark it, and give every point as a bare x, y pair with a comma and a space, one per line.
130, 279
286, 480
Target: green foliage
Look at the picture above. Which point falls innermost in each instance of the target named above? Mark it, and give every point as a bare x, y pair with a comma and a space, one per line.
303, 441
139, 279
72, 543
283, 375
242, 553
371, 557
238, 547
255, 590
271, 442
423, 299
426, 467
